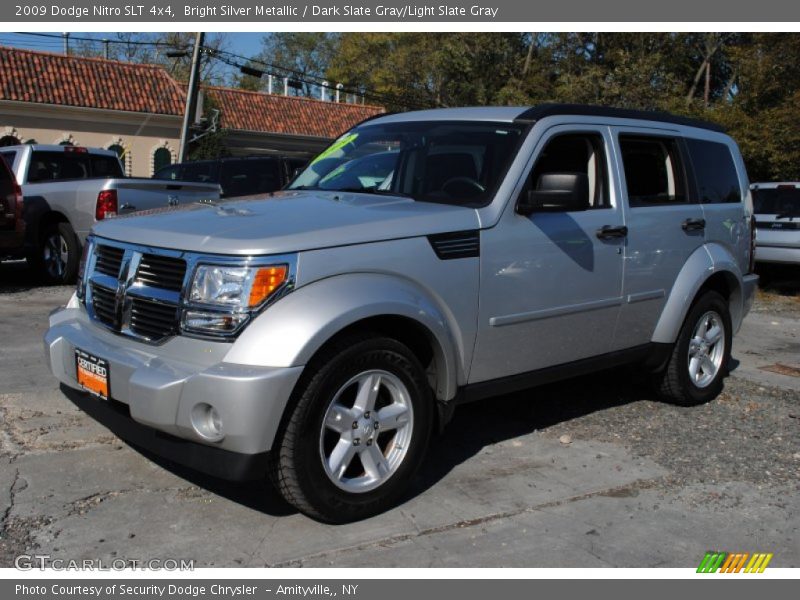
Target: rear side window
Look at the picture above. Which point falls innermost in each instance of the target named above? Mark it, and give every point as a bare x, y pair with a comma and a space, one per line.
250, 176
201, 172
654, 173
714, 172
55, 166
59, 166
105, 166
171, 173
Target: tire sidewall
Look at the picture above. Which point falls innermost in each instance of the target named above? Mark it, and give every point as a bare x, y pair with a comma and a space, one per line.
377, 353
710, 301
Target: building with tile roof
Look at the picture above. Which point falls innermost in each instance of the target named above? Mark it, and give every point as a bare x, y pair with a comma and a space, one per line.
137, 110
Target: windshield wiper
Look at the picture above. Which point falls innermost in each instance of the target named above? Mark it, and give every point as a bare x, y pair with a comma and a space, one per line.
371, 190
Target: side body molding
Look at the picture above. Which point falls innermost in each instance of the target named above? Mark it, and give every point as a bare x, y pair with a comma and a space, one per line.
703, 263
289, 332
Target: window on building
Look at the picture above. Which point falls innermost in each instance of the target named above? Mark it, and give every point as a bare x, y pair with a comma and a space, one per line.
162, 157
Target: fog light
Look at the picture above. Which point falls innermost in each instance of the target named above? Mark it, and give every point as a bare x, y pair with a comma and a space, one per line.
207, 422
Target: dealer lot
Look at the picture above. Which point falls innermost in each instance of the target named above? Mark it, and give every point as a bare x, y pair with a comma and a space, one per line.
593, 472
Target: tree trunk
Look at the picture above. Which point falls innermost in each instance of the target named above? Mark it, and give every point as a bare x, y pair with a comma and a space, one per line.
707, 93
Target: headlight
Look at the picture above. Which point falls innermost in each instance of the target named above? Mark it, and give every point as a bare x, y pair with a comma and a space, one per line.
236, 287
231, 294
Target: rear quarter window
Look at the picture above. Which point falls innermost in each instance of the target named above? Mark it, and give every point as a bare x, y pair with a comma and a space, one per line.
714, 172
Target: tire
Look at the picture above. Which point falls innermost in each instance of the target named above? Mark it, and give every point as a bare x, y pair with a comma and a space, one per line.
313, 462
689, 379
57, 256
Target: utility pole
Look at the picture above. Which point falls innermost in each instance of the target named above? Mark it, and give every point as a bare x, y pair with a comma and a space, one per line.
65, 35
191, 96
105, 48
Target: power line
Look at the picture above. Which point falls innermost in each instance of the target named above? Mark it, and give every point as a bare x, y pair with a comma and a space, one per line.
320, 80
231, 59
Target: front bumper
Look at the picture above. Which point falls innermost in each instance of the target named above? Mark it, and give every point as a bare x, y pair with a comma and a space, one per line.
161, 384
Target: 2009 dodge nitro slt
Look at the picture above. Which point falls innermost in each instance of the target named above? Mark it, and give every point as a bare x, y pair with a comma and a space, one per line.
424, 259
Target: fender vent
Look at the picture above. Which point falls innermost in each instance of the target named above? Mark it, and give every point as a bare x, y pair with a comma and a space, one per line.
458, 244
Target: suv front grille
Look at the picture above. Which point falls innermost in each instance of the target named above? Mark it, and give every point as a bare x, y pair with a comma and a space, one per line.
135, 291
161, 271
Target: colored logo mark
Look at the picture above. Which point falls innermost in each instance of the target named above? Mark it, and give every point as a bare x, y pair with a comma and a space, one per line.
734, 562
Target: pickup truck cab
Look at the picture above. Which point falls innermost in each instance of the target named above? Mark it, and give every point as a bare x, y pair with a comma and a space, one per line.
67, 189
777, 215
424, 260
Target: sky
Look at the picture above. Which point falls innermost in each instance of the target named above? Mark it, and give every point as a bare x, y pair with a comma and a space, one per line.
246, 44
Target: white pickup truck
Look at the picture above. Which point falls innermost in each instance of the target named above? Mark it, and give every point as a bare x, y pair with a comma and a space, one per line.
67, 189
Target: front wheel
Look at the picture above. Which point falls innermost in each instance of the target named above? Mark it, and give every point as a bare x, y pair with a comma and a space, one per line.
699, 361
357, 432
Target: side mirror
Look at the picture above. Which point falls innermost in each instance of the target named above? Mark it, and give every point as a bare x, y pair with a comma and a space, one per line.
556, 192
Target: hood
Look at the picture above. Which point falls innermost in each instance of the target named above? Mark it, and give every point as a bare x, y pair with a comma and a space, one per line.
286, 222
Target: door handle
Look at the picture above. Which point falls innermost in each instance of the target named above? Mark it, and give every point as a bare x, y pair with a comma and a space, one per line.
694, 224
127, 206
608, 232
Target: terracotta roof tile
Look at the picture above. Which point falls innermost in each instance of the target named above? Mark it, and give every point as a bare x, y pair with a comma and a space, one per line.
46, 78
257, 111
42, 77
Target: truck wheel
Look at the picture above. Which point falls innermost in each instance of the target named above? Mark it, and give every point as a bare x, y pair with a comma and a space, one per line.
58, 255
357, 432
699, 361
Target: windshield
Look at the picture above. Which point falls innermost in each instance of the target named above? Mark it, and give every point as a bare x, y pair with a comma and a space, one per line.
784, 199
441, 161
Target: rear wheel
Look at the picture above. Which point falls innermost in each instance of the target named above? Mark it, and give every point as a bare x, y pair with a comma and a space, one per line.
357, 433
58, 255
699, 360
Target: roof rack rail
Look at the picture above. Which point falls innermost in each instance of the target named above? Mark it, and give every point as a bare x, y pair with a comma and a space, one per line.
541, 111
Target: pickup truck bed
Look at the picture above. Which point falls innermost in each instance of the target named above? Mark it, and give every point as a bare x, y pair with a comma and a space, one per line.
67, 189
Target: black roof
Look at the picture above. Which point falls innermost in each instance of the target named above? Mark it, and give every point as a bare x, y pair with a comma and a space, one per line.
549, 110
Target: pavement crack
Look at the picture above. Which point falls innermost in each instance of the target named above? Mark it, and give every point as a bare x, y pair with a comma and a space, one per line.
621, 491
12, 498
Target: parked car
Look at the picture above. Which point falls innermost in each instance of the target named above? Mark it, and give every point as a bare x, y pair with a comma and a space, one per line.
67, 189
323, 334
238, 175
777, 213
12, 225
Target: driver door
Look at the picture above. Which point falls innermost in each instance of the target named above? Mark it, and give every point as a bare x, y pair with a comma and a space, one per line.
551, 281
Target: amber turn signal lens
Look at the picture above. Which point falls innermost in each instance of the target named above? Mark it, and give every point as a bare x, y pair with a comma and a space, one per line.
266, 281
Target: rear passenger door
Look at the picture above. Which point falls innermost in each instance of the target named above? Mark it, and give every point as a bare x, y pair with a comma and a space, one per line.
720, 188
665, 226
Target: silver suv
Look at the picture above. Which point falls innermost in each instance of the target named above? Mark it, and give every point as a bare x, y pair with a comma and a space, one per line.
423, 260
